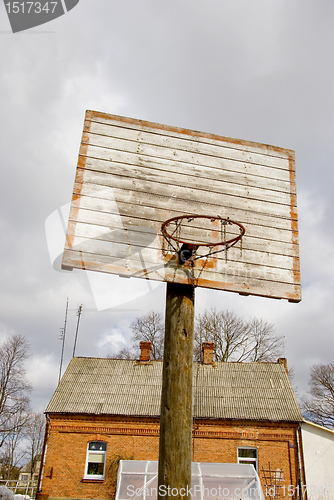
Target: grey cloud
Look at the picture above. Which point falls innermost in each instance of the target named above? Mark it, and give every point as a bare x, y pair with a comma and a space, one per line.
252, 70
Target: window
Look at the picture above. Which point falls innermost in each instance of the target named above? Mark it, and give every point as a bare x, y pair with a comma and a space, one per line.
248, 455
24, 478
96, 460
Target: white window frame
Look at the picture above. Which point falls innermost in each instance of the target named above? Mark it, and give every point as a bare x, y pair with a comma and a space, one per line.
98, 477
250, 460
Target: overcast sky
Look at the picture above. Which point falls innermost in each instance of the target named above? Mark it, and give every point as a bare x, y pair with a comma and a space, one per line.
259, 71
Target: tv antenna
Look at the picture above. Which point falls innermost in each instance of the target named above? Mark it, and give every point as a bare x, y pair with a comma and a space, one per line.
62, 338
79, 311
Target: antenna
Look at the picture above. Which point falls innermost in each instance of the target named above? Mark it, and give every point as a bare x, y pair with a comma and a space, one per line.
77, 329
62, 337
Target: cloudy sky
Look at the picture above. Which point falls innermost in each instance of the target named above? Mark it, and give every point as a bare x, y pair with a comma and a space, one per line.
260, 71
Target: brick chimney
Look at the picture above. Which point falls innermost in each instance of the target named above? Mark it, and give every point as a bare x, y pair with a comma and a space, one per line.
145, 351
207, 350
283, 361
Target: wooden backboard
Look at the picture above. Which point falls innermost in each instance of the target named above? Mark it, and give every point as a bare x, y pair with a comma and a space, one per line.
133, 175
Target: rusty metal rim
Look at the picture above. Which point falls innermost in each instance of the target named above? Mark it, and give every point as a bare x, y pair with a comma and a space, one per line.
194, 245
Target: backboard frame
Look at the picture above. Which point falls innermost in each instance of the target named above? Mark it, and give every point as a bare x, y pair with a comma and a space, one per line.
132, 175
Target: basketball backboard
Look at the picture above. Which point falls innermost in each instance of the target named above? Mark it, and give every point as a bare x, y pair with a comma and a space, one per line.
134, 175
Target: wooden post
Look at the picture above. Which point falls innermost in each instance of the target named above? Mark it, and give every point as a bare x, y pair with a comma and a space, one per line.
175, 446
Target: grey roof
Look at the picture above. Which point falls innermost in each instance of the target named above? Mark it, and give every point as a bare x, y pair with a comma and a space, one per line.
251, 391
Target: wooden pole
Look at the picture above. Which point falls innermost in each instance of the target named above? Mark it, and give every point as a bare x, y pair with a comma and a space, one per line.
175, 446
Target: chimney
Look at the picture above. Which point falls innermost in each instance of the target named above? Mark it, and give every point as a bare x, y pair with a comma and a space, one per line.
145, 351
207, 350
283, 361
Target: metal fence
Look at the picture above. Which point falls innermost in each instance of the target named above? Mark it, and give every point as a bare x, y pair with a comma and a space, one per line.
21, 487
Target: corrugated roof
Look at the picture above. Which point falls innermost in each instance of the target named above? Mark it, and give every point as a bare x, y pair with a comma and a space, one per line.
251, 391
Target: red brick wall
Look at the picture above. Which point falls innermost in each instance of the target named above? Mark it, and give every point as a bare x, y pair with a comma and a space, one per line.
276, 444
138, 439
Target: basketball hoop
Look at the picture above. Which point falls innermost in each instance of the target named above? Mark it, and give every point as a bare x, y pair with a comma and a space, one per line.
186, 248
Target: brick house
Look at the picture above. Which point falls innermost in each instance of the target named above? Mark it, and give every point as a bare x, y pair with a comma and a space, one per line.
105, 410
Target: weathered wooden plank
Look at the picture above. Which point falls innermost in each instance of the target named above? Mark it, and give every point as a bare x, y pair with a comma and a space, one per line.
252, 230
175, 180
142, 248
243, 171
174, 132
184, 150
170, 179
251, 242
196, 198
101, 208
168, 205
231, 282
123, 160
109, 149
191, 145
189, 233
140, 236
142, 267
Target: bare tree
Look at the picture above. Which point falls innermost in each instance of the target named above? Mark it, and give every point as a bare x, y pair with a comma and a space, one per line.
14, 387
12, 452
35, 436
151, 328
235, 338
125, 353
263, 344
319, 406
